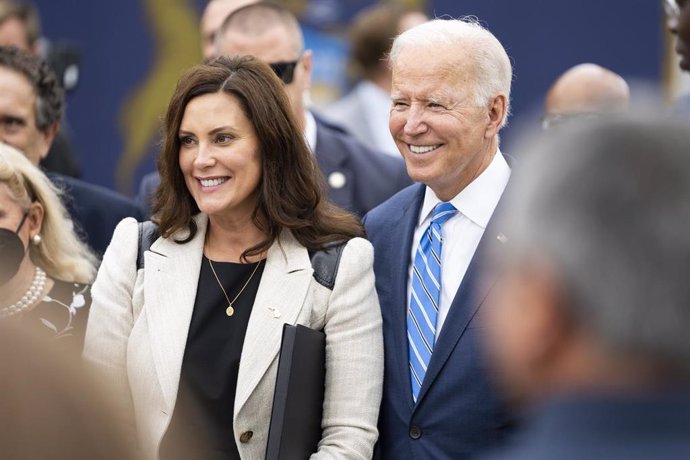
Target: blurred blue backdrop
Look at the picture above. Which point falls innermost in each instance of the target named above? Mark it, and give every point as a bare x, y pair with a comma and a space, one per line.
133, 51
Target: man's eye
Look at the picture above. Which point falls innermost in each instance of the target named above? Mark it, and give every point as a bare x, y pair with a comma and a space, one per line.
435, 106
399, 104
12, 122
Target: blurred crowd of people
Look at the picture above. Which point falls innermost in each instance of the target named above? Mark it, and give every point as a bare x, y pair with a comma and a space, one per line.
476, 303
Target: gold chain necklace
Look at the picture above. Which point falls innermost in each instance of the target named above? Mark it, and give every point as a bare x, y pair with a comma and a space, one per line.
231, 310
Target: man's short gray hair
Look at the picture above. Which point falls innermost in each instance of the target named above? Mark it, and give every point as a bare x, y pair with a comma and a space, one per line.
607, 205
494, 72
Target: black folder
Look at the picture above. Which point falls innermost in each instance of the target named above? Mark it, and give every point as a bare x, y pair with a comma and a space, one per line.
295, 429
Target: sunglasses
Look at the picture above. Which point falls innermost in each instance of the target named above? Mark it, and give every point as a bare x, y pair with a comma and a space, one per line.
285, 70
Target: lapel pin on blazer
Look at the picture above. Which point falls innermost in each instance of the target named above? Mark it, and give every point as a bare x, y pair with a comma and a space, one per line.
337, 180
502, 238
276, 312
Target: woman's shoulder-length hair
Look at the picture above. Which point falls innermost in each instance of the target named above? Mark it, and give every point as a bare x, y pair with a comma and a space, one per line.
291, 190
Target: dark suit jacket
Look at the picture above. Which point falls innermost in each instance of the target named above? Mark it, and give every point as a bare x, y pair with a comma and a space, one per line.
457, 413
370, 177
638, 427
95, 210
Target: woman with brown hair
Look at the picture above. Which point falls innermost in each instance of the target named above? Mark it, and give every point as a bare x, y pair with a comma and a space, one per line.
191, 341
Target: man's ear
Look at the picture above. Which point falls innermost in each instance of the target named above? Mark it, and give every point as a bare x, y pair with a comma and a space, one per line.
498, 108
307, 63
553, 325
47, 138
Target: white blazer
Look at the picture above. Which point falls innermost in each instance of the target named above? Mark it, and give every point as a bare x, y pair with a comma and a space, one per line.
139, 320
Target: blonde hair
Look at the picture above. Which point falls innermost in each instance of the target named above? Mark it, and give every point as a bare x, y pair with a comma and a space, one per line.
61, 253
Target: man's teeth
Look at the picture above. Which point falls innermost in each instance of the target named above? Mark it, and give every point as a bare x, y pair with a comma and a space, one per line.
423, 148
212, 182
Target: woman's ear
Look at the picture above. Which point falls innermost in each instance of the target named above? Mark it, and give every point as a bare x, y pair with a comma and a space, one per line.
35, 218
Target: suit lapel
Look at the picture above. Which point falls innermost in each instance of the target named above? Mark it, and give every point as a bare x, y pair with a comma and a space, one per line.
282, 291
402, 230
171, 276
474, 288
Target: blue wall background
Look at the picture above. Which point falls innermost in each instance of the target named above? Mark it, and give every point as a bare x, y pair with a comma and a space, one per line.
134, 50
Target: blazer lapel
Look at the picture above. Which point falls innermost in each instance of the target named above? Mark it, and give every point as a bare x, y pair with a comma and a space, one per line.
282, 291
402, 230
474, 288
171, 276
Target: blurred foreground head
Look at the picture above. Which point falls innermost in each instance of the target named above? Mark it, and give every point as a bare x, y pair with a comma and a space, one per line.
49, 407
594, 294
583, 91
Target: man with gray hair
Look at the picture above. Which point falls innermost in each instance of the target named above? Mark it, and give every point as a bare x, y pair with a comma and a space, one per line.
450, 98
589, 319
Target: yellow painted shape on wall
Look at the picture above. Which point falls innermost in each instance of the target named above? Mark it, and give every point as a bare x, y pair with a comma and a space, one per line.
174, 26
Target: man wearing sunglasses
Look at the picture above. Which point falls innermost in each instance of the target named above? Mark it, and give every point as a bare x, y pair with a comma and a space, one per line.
358, 177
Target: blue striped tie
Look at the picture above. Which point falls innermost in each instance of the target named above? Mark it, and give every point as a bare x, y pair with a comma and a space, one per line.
424, 296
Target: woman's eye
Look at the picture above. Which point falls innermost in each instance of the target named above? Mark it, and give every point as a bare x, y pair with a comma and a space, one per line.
223, 138
186, 140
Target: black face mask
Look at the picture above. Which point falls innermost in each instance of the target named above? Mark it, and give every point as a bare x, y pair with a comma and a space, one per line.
11, 252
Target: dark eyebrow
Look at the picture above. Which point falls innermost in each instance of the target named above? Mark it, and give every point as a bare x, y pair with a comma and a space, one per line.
221, 128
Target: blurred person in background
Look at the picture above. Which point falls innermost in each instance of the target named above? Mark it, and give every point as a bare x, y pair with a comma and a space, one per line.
20, 26
585, 90
365, 110
358, 177
450, 98
50, 408
678, 21
45, 270
588, 323
31, 106
212, 17
192, 339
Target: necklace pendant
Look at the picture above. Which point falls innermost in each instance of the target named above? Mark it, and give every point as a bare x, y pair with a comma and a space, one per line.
229, 311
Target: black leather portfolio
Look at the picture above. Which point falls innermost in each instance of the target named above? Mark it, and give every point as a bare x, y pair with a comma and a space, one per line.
295, 428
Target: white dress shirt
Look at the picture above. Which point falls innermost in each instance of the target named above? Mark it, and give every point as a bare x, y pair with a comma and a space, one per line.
310, 130
462, 232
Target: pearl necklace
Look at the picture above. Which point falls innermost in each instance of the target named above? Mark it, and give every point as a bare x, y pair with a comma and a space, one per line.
29, 298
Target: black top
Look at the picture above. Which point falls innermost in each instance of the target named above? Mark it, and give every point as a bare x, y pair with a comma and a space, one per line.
201, 425
61, 314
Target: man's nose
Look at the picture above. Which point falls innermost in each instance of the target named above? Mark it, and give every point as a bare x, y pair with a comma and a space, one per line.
415, 123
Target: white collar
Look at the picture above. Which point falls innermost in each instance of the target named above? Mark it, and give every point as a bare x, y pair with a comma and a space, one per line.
310, 130
478, 200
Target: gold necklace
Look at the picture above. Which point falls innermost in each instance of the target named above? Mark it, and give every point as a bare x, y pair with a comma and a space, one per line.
231, 310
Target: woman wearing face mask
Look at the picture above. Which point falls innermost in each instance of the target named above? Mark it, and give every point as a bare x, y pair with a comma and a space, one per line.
45, 270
